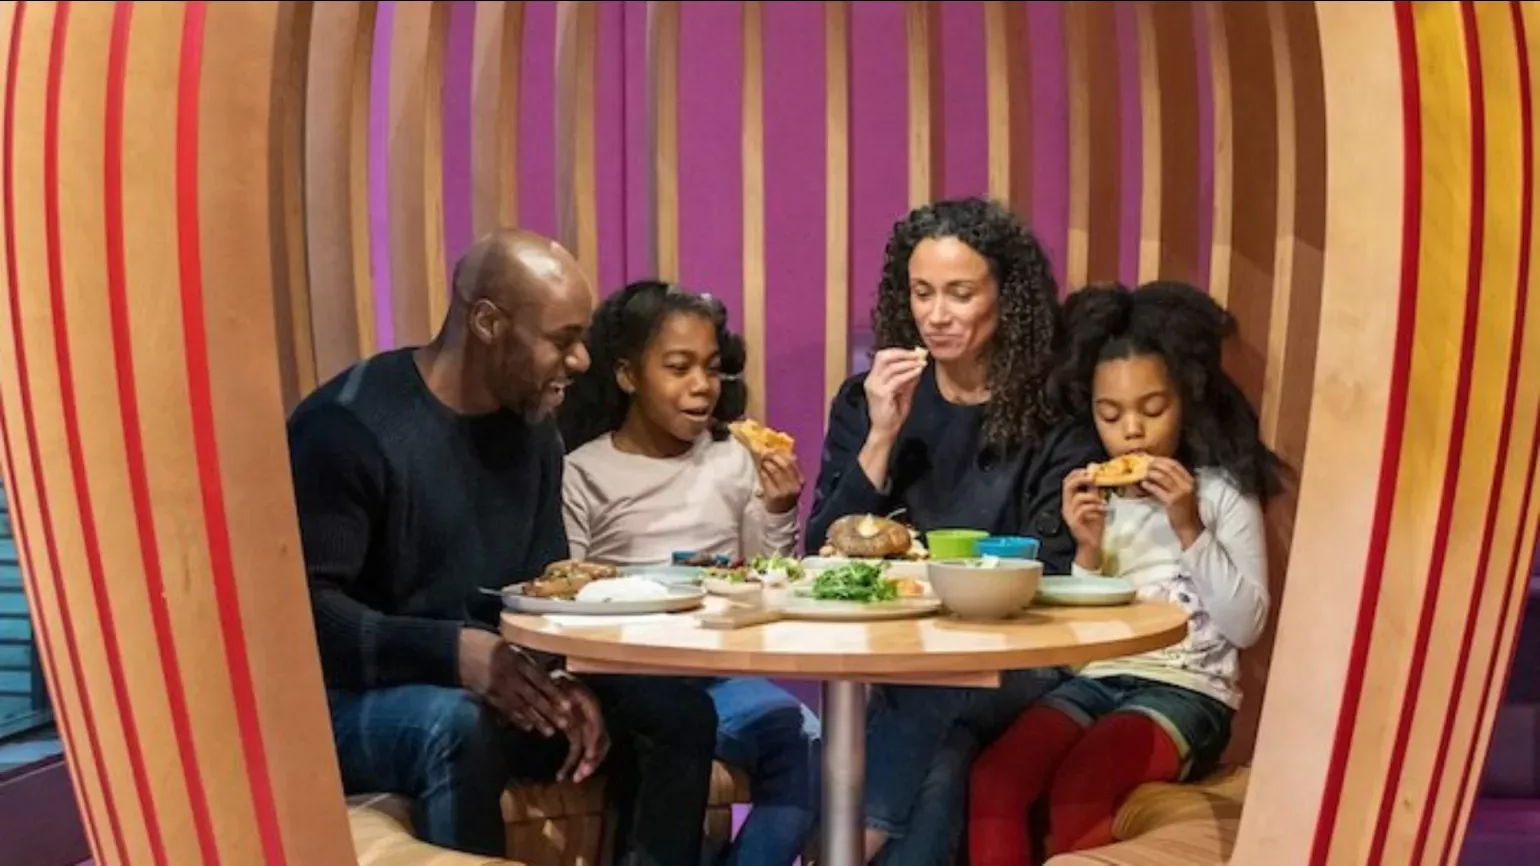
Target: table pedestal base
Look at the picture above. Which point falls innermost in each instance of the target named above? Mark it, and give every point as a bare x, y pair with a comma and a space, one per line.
844, 773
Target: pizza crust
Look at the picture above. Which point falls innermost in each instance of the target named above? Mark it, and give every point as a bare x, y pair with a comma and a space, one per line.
1121, 471
759, 439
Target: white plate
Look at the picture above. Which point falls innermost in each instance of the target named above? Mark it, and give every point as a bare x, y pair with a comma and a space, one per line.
723, 586
895, 567
1069, 591
679, 598
858, 611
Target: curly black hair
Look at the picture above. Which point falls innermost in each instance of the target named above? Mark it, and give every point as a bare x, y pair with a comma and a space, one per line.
1020, 358
622, 328
1187, 330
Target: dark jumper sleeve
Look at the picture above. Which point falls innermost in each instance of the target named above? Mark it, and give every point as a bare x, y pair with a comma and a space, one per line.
843, 487
1066, 447
339, 483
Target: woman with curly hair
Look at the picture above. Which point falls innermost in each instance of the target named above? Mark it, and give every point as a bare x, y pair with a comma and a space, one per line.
651, 469
1145, 368
964, 434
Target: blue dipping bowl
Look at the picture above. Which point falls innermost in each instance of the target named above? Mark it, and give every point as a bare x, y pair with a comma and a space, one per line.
1008, 547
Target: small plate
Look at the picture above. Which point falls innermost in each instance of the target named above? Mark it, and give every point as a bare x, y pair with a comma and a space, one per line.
680, 598
1063, 590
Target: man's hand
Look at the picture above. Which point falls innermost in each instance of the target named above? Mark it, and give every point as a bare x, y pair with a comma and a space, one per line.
588, 741
512, 683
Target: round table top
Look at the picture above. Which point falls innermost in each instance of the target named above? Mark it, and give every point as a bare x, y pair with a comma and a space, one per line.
1039, 637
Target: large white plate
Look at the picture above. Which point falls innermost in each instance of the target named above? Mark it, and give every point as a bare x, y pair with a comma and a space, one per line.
680, 597
798, 607
1069, 591
896, 568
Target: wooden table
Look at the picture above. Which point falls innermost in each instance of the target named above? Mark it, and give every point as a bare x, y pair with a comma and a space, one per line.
938, 650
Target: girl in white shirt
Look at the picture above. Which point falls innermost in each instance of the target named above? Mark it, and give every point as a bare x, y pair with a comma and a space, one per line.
651, 471
1145, 366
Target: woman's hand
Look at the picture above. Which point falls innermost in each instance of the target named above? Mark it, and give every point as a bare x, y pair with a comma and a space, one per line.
890, 389
782, 481
1085, 513
1171, 483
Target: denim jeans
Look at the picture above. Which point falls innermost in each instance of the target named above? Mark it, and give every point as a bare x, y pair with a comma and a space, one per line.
454, 756
765, 731
920, 746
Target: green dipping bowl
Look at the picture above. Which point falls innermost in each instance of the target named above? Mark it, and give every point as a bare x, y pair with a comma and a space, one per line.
954, 543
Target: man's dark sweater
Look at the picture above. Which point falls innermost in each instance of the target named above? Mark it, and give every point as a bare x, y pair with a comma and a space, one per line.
406, 509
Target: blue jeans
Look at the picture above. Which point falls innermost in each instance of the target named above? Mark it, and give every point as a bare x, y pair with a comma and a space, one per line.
920, 746
765, 731
454, 756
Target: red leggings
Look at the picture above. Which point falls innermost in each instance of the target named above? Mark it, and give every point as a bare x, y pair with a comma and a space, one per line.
1085, 772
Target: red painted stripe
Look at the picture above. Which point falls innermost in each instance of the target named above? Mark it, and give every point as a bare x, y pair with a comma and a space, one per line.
1395, 414
1510, 396
30, 426
106, 625
18, 512
200, 401
1452, 464
1527, 113
133, 442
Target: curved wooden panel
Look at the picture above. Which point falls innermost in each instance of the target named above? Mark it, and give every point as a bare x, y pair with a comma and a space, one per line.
927, 115
40, 465
1350, 418
837, 205
495, 118
337, 183
663, 77
1095, 183
577, 217
291, 290
1512, 583
1245, 183
1009, 95
754, 217
1168, 222
418, 273
253, 537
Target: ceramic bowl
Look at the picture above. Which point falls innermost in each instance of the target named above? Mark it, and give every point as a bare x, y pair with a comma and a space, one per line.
985, 588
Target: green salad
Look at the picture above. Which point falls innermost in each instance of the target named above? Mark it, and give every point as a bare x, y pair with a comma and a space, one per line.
767, 564
855, 581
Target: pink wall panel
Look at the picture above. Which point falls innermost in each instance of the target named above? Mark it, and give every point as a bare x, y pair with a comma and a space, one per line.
711, 152
879, 154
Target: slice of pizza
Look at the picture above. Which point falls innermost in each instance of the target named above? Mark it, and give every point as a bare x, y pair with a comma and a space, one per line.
1120, 471
759, 439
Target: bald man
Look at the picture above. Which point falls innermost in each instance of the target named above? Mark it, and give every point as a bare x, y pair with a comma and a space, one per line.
425, 474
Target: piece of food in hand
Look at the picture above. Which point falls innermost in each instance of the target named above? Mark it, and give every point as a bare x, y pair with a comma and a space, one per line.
759, 439
567, 577
921, 354
867, 536
1121, 471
